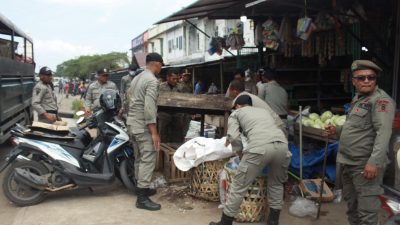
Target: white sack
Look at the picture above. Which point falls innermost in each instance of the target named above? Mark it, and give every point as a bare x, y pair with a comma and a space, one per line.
199, 150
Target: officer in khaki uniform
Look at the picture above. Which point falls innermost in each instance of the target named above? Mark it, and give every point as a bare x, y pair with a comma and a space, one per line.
142, 127
185, 85
125, 84
96, 88
236, 89
364, 144
267, 146
170, 124
44, 101
273, 94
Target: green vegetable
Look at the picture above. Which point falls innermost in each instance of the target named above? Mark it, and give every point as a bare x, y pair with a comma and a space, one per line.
326, 115
314, 116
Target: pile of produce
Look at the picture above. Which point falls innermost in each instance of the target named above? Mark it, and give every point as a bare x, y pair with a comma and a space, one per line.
320, 121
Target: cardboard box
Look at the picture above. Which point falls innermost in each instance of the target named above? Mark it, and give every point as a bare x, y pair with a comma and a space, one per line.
311, 190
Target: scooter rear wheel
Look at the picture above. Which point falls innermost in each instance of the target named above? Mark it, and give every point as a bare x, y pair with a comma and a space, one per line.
127, 172
20, 194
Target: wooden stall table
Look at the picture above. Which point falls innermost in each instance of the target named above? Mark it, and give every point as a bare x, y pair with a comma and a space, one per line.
175, 102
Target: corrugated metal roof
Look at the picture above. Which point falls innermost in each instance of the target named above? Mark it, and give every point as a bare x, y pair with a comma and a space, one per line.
253, 9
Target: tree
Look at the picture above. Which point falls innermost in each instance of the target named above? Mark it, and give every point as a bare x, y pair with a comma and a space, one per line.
83, 66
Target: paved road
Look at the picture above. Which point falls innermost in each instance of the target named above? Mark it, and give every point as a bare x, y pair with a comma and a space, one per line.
113, 205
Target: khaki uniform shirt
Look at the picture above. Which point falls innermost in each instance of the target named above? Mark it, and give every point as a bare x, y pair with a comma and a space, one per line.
143, 102
165, 87
185, 87
257, 125
276, 97
259, 103
366, 133
43, 98
94, 91
125, 84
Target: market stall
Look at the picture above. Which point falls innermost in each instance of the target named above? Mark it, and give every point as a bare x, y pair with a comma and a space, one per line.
311, 45
195, 104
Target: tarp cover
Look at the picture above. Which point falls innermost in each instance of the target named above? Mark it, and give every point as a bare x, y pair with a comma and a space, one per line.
313, 160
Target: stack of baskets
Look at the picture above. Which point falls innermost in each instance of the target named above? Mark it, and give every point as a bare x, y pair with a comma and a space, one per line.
254, 205
204, 180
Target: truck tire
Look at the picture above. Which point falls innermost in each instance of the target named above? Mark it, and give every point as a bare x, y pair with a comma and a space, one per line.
16, 196
127, 172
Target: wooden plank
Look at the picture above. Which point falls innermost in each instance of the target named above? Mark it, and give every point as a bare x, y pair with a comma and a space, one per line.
203, 102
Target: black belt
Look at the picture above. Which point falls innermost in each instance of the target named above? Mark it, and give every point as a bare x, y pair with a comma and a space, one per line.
52, 111
283, 116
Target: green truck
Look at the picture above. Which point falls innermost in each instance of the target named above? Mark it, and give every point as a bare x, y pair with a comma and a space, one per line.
17, 73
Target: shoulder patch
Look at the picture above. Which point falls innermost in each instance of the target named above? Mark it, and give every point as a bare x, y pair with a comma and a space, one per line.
37, 91
382, 105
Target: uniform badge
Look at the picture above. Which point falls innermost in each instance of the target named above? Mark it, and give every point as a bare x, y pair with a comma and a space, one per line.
38, 91
383, 105
365, 106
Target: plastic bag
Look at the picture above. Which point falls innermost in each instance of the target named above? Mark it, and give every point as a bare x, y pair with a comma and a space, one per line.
338, 195
302, 207
158, 183
223, 186
271, 34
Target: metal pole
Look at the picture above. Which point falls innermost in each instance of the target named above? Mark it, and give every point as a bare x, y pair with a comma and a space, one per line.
221, 74
321, 190
396, 67
301, 142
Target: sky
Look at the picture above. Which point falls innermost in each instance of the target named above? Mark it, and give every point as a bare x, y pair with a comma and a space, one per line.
65, 29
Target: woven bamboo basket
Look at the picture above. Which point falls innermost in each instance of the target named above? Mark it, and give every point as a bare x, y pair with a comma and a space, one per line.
204, 180
254, 205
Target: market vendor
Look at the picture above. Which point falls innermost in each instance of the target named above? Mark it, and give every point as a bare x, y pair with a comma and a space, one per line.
273, 94
364, 144
236, 89
267, 146
172, 126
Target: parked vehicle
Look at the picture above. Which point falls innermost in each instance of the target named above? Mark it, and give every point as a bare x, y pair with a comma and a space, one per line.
17, 74
39, 165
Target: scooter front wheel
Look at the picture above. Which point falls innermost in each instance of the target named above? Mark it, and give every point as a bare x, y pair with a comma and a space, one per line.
127, 172
21, 194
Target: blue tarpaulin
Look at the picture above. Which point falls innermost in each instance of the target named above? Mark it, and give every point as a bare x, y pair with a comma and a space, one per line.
313, 160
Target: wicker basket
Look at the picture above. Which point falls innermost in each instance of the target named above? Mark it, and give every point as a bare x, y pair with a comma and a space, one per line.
254, 205
204, 180
171, 173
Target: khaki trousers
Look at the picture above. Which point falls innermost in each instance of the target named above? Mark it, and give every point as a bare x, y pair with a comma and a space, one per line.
145, 158
277, 157
361, 195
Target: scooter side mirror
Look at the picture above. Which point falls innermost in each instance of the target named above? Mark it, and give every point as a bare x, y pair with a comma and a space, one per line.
80, 113
80, 120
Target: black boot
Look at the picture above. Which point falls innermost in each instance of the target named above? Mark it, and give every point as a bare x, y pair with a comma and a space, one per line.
225, 220
151, 192
273, 217
144, 202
